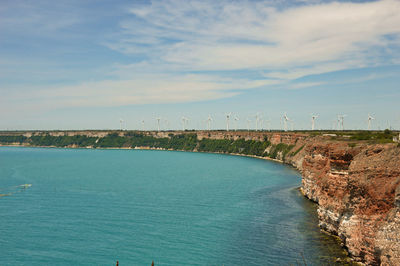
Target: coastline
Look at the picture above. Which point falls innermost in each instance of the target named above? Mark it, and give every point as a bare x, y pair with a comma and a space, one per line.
148, 149
287, 179
348, 258
355, 184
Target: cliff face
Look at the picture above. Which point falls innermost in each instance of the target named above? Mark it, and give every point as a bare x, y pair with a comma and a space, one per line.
358, 193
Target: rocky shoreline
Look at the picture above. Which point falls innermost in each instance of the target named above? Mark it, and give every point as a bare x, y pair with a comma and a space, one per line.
358, 194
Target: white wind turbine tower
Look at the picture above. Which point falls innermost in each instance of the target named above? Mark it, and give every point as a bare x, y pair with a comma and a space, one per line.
184, 119
257, 119
143, 125
267, 124
285, 120
341, 121
338, 122
186, 122
236, 119
248, 124
228, 115
342, 118
121, 121
370, 118
158, 123
166, 124
313, 117
209, 120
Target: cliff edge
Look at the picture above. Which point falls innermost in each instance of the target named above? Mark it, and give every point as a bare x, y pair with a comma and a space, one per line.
358, 194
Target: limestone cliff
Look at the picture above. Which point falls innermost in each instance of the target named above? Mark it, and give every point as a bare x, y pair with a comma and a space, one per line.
358, 193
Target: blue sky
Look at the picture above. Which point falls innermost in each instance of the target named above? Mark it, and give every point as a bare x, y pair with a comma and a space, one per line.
86, 64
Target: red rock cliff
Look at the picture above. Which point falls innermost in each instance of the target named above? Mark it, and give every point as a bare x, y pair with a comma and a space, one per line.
358, 193
357, 190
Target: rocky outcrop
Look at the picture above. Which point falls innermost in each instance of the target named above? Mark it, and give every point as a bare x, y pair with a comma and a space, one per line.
358, 193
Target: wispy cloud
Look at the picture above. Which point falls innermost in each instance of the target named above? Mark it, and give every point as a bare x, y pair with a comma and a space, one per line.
281, 44
22, 17
225, 35
151, 88
302, 85
178, 51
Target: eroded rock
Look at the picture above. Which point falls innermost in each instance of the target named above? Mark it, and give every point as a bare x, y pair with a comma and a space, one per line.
358, 192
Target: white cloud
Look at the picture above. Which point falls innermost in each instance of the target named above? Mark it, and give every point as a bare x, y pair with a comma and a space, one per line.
41, 19
178, 37
225, 35
175, 37
325, 67
302, 85
154, 89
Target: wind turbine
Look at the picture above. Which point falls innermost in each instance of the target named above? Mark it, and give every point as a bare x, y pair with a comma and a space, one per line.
143, 125
267, 124
257, 119
370, 118
341, 121
228, 115
313, 117
248, 124
166, 124
183, 122
236, 119
285, 120
209, 119
158, 123
343, 116
186, 121
388, 125
121, 121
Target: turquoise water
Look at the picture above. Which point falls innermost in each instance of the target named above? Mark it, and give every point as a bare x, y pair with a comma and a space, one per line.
94, 207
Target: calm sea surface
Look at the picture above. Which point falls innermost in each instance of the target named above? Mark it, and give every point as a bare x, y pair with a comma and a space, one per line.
94, 207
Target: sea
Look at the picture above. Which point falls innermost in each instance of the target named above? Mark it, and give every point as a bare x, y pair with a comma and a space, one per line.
100, 206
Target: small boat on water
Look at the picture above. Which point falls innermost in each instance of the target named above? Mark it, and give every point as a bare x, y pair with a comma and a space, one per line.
14, 189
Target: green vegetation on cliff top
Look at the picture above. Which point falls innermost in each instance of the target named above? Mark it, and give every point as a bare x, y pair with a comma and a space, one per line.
185, 142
